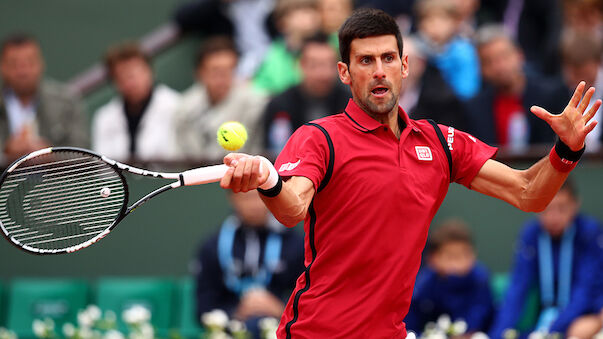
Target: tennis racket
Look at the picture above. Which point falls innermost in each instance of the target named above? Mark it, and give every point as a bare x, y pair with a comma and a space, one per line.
63, 199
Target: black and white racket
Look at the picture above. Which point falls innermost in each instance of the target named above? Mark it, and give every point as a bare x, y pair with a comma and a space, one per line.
63, 199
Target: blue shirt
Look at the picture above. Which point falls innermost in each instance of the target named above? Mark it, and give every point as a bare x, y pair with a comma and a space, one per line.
525, 275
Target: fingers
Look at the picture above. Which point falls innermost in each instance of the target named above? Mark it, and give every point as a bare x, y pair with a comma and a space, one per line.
575, 100
589, 128
230, 157
592, 111
244, 173
541, 113
586, 100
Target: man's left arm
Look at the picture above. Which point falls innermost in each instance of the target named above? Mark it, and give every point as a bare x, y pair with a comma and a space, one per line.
532, 189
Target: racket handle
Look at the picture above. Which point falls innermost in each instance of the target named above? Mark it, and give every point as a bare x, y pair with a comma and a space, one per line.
204, 175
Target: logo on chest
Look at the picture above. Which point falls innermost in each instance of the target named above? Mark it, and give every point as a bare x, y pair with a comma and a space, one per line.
423, 153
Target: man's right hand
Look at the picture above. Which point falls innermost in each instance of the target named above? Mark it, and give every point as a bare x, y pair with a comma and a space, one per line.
245, 172
22, 143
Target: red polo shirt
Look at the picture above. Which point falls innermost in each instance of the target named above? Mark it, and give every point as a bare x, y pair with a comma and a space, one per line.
367, 224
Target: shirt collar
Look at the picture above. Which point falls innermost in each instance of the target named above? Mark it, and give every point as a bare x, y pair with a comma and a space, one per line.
365, 123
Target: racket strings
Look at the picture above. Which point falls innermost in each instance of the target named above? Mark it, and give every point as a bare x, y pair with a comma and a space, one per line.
60, 200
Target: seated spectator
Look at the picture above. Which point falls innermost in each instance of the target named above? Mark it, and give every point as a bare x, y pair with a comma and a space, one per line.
333, 13
500, 113
320, 94
138, 122
557, 254
296, 20
249, 268
581, 55
439, 40
34, 112
426, 95
216, 98
452, 283
246, 22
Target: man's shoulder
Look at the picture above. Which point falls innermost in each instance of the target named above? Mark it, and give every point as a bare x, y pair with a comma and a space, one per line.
51, 89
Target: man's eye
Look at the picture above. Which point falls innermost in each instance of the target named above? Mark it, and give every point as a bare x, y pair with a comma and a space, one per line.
389, 58
365, 60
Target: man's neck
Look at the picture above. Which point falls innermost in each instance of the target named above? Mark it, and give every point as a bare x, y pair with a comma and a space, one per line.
390, 119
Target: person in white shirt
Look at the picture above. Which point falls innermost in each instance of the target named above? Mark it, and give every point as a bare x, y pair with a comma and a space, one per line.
137, 124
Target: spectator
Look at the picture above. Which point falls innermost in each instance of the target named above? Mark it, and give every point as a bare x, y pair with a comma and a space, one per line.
452, 283
581, 55
426, 95
500, 113
138, 122
333, 13
34, 112
216, 98
319, 94
583, 16
249, 267
296, 20
439, 39
557, 254
247, 22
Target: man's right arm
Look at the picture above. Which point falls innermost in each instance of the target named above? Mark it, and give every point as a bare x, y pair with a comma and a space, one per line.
289, 206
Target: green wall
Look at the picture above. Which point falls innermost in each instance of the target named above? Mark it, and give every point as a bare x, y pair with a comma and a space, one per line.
160, 237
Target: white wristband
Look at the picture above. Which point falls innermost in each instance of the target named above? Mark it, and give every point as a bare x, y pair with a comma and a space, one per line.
272, 177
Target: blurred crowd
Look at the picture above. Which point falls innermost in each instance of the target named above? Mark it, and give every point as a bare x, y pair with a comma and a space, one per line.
270, 64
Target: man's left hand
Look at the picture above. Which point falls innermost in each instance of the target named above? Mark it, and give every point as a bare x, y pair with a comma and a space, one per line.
572, 125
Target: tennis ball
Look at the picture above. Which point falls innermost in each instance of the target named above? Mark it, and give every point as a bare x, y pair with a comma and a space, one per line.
232, 135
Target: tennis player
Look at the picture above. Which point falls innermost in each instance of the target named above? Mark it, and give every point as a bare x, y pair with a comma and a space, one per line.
367, 183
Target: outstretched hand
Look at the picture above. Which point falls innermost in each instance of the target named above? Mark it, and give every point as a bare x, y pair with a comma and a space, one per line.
572, 125
245, 173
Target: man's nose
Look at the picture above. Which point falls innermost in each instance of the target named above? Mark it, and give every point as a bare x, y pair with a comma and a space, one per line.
379, 71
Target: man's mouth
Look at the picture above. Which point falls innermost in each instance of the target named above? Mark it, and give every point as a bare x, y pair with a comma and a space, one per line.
379, 91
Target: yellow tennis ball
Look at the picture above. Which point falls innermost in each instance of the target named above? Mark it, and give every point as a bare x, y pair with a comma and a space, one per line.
232, 135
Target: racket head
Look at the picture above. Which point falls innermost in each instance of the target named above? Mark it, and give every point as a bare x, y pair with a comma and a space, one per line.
60, 200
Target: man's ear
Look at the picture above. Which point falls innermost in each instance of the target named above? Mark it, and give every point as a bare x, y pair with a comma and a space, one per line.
404, 66
344, 73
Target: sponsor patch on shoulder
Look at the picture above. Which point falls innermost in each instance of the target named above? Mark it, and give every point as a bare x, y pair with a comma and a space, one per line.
423, 153
289, 166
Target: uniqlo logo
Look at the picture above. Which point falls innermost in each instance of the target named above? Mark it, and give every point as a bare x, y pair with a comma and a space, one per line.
423, 153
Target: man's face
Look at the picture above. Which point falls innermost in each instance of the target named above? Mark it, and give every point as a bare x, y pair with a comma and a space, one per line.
559, 214
453, 258
249, 208
318, 68
21, 67
501, 62
134, 79
216, 72
375, 73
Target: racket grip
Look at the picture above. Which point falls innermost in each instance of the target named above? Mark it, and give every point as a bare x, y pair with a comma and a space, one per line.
204, 175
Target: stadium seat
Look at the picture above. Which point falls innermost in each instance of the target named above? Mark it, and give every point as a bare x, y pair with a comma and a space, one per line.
499, 283
57, 299
157, 295
188, 325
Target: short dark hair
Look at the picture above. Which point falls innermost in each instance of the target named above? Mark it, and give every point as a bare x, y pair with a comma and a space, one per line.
365, 23
122, 52
214, 45
317, 38
17, 39
578, 48
452, 230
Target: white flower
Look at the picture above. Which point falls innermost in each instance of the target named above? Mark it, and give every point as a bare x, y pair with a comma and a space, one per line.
7, 334
411, 335
537, 335
113, 334
84, 319
479, 335
444, 322
136, 314
219, 335
39, 328
236, 326
459, 327
268, 324
86, 333
270, 335
216, 318
94, 312
68, 330
147, 330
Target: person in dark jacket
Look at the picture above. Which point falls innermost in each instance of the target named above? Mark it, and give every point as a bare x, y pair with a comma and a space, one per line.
319, 94
558, 255
249, 267
453, 283
500, 112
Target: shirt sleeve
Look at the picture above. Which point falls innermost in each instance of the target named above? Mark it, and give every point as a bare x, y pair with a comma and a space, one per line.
306, 154
468, 154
